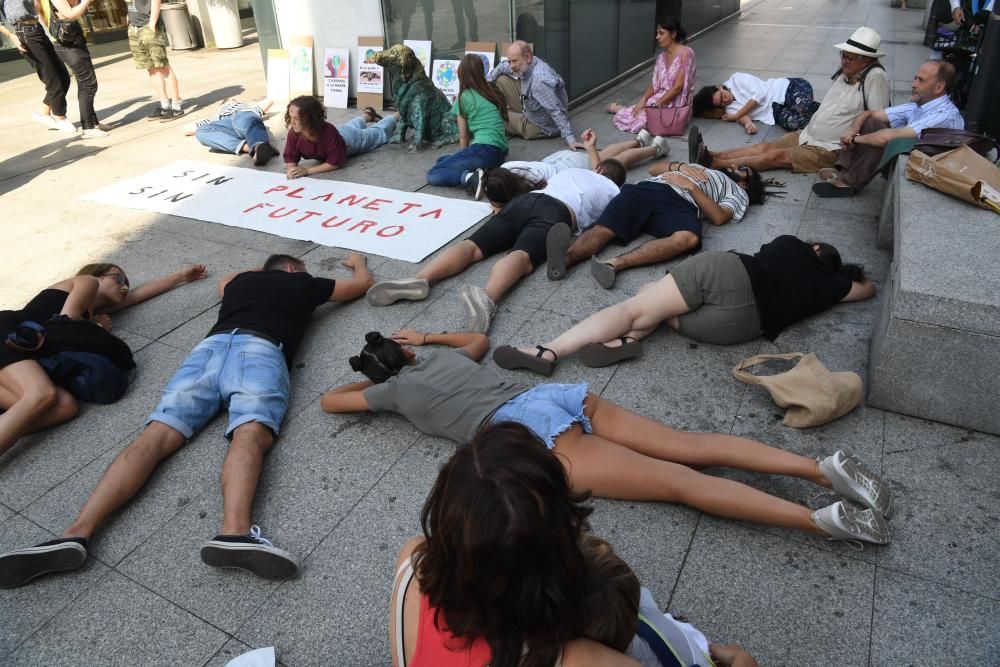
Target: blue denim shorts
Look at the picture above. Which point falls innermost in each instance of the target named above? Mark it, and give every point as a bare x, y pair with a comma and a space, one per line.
246, 373
548, 410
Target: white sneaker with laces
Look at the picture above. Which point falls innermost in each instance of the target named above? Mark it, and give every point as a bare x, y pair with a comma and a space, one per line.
48, 121
479, 309
63, 125
94, 133
846, 521
855, 482
645, 138
662, 147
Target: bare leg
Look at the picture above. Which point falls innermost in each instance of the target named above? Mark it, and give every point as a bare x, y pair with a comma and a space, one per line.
779, 158
34, 397
588, 244
156, 79
611, 470
614, 150
745, 151
653, 252
506, 273
64, 409
170, 84
240, 475
453, 260
628, 153
125, 476
659, 441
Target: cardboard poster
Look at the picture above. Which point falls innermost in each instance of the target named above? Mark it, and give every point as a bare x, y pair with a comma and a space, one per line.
422, 49
392, 223
444, 74
370, 77
300, 71
277, 74
336, 73
487, 58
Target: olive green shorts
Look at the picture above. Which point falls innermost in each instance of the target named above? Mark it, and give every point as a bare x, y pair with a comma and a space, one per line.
149, 47
716, 287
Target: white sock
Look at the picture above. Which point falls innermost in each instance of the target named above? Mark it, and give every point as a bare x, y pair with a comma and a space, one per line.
177, 105
165, 104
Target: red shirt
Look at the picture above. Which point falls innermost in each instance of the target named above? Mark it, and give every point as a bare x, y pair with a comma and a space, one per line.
329, 147
440, 648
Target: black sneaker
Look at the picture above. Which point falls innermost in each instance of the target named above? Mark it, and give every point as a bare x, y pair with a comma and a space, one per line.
172, 113
252, 553
474, 184
158, 114
262, 154
21, 566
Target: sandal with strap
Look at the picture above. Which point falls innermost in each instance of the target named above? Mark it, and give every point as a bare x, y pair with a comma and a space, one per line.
374, 114
597, 355
512, 358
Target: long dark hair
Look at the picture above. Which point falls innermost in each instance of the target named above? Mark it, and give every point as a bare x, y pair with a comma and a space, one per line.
829, 257
702, 100
311, 113
502, 560
472, 76
502, 185
380, 359
671, 24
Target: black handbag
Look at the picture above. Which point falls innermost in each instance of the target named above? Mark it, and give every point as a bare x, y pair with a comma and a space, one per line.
935, 140
64, 31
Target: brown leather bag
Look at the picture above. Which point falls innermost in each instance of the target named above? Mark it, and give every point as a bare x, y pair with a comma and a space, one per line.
936, 140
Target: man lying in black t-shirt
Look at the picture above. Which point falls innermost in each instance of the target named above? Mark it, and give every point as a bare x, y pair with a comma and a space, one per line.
242, 365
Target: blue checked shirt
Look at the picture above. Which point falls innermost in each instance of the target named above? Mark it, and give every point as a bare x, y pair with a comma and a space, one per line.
939, 112
543, 94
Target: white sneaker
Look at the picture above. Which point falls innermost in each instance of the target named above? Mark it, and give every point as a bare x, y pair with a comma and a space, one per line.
63, 125
645, 138
662, 147
479, 309
846, 521
95, 133
855, 482
48, 121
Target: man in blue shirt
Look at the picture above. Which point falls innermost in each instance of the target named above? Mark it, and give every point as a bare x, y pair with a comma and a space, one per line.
867, 136
535, 94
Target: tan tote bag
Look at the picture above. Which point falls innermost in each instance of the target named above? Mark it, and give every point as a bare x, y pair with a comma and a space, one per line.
812, 394
961, 173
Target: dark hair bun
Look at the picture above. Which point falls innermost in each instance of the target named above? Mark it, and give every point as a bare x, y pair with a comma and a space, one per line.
355, 363
373, 337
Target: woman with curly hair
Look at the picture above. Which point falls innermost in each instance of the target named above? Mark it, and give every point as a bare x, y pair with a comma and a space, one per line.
311, 137
499, 577
482, 113
29, 398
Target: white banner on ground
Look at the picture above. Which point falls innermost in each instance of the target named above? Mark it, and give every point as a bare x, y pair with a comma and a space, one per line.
335, 76
401, 225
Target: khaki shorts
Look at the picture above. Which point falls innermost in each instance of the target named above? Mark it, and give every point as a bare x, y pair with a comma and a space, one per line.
149, 47
716, 287
806, 159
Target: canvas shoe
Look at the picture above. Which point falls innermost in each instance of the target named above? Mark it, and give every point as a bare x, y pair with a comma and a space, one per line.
263, 153
21, 566
386, 292
557, 242
474, 184
479, 309
63, 125
645, 138
252, 553
662, 146
159, 113
48, 121
855, 482
95, 133
846, 521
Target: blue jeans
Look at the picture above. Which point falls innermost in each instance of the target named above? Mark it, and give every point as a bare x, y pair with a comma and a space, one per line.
229, 134
451, 169
246, 373
359, 138
547, 410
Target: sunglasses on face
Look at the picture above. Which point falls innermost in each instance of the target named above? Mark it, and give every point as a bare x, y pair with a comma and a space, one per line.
119, 278
850, 57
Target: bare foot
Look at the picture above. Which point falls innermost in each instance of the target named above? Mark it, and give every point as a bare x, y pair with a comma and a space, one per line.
614, 108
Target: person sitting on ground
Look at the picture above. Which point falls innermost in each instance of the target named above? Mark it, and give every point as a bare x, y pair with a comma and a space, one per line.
237, 128
497, 577
644, 147
242, 365
605, 448
860, 84
867, 136
744, 98
673, 79
623, 615
30, 400
535, 94
574, 198
723, 298
310, 137
481, 112
668, 206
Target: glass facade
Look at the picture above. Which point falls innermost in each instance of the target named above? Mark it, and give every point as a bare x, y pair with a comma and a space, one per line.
105, 20
589, 42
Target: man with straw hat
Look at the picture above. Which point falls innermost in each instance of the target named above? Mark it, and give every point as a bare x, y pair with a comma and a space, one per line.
860, 84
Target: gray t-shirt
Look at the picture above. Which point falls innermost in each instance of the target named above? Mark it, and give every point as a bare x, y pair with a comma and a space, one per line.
445, 394
138, 12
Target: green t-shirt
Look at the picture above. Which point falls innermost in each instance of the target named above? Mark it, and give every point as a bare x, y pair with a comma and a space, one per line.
485, 122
